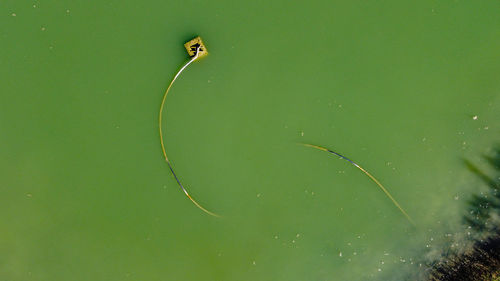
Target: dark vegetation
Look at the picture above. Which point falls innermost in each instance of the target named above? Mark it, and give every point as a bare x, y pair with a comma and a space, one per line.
481, 260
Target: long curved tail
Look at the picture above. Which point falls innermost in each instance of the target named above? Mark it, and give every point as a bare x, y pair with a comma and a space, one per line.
161, 135
366, 173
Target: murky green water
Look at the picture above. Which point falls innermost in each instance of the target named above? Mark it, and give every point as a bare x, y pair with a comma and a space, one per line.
406, 90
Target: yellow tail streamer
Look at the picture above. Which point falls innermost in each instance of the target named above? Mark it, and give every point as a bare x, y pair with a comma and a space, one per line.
366, 173
198, 49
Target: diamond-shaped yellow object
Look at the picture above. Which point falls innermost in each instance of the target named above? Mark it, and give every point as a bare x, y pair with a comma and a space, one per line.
193, 44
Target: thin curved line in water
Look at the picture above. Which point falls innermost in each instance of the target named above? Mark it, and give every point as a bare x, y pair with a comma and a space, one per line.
366, 173
161, 134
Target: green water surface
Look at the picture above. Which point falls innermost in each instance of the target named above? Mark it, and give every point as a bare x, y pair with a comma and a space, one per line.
406, 89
